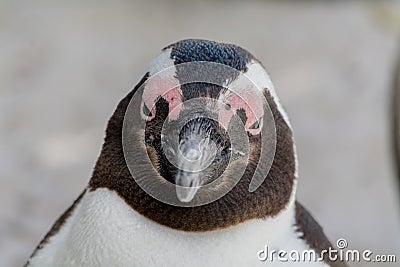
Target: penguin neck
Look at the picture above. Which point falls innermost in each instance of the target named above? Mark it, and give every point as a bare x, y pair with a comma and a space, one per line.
275, 194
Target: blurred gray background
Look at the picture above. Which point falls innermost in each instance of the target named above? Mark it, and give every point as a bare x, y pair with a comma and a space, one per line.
65, 66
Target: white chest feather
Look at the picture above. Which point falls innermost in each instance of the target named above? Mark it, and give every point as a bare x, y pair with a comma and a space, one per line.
104, 231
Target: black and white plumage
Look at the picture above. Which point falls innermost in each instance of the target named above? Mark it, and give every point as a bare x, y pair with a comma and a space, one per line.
115, 223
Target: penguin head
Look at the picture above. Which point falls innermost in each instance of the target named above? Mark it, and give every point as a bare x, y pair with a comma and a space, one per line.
199, 112
202, 105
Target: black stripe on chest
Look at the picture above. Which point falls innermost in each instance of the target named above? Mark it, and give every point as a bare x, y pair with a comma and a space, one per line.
313, 234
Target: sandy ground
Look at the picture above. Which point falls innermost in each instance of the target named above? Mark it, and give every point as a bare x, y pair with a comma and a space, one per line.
64, 67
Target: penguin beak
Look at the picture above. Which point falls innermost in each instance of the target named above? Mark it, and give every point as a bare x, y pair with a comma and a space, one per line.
196, 152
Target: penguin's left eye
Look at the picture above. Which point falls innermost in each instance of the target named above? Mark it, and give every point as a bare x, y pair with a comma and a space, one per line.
255, 125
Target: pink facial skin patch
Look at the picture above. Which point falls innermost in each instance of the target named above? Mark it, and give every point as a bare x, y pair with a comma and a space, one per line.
165, 87
247, 100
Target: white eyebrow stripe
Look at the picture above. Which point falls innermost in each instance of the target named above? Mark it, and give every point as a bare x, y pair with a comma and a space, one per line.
161, 62
258, 75
161, 82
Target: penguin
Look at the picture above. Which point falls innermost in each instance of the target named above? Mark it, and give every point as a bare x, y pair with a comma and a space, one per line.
118, 221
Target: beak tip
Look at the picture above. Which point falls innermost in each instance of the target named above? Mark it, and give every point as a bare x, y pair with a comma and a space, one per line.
186, 194
187, 186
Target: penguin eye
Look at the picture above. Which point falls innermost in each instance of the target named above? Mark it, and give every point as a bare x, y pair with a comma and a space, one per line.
255, 125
